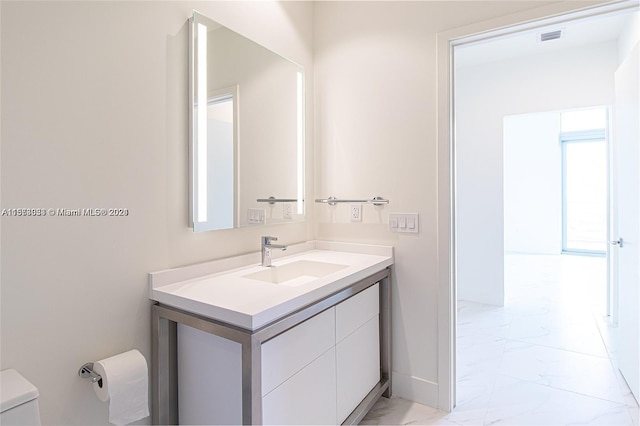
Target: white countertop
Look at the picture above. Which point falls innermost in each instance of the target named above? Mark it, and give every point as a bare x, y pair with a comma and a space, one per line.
220, 289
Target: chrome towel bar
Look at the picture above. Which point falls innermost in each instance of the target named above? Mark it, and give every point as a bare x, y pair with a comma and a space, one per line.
273, 200
332, 201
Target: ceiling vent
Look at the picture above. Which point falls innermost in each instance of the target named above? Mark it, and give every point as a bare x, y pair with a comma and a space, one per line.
551, 35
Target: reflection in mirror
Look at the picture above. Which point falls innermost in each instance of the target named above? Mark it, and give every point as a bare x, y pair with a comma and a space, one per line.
246, 129
221, 143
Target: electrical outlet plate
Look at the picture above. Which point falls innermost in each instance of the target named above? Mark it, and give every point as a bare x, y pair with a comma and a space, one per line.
287, 211
356, 212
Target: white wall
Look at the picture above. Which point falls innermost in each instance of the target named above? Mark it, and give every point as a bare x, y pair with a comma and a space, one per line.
94, 114
630, 35
486, 93
532, 183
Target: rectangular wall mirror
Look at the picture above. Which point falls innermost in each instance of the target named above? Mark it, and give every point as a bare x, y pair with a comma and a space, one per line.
246, 123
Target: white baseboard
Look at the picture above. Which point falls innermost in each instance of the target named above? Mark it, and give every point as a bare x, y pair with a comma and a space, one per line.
415, 389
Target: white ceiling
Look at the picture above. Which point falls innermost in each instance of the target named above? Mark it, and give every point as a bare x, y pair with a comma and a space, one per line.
526, 43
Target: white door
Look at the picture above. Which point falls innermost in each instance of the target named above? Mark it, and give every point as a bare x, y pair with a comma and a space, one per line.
626, 219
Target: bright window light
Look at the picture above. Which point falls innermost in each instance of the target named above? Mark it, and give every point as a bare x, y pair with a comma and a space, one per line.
584, 119
586, 196
202, 124
584, 156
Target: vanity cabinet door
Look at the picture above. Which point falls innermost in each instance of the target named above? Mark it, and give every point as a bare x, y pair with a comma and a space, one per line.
358, 367
309, 397
209, 378
299, 373
358, 350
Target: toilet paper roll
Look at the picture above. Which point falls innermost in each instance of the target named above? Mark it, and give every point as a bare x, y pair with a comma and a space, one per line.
125, 384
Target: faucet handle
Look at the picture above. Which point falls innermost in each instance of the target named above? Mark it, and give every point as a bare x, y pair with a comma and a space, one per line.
267, 240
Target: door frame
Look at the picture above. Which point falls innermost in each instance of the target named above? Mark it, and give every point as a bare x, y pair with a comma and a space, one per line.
505, 26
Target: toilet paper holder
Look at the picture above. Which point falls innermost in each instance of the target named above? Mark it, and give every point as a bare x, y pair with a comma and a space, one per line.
86, 372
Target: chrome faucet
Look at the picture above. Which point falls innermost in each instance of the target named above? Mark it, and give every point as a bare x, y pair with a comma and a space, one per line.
266, 249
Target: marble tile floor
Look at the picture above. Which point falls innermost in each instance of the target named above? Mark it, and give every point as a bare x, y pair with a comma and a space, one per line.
545, 358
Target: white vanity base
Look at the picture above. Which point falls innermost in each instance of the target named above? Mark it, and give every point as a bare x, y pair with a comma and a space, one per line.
327, 363
307, 341
337, 351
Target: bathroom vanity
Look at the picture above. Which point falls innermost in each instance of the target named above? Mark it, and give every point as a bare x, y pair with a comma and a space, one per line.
306, 341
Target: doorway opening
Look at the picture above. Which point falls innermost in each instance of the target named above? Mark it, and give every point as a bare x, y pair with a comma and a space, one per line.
531, 345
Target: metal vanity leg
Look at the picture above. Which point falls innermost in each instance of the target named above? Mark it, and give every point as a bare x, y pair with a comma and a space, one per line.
385, 331
251, 381
164, 370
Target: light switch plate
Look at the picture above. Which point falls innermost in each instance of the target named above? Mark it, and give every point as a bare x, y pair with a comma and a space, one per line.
256, 216
404, 222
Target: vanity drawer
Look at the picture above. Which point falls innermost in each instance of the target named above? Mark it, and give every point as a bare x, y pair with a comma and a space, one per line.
357, 310
309, 397
285, 355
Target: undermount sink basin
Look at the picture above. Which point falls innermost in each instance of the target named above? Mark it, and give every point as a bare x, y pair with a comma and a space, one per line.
295, 273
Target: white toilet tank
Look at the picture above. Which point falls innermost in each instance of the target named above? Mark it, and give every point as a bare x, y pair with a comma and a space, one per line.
18, 400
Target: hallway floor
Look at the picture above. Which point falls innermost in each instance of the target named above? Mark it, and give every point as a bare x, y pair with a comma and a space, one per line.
540, 360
